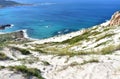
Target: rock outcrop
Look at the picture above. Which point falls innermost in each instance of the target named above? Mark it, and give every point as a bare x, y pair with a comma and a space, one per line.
2, 27
115, 20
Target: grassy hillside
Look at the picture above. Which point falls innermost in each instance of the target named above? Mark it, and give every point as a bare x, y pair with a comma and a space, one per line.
96, 40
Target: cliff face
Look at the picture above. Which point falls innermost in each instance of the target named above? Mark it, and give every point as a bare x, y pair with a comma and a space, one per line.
115, 20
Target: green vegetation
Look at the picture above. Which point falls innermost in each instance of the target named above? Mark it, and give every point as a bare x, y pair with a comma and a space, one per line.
39, 50
95, 33
103, 43
62, 51
65, 51
29, 71
74, 64
23, 51
106, 29
95, 28
90, 61
7, 37
46, 63
3, 56
110, 49
85, 62
11, 38
76, 39
104, 36
82, 37
29, 60
64, 48
2, 67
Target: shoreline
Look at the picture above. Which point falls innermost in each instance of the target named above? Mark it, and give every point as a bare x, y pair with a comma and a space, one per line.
63, 37
57, 38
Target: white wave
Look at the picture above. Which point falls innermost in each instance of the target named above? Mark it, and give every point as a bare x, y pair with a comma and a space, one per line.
105, 23
41, 20
47, 3
47, 26
66, 30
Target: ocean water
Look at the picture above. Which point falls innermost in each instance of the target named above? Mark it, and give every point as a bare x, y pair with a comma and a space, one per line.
53, 17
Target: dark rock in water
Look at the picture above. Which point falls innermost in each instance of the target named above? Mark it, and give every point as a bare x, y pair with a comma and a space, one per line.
2, 27
115, 20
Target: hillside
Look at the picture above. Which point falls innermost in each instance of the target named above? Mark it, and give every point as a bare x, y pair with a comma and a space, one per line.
92, 53
100, 39
8, 3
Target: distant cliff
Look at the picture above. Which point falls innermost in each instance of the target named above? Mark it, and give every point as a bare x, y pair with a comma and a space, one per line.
6, 3
115, 20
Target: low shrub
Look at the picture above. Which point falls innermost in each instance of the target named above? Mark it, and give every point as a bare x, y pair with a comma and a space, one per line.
23, 51
29, 71
3, 56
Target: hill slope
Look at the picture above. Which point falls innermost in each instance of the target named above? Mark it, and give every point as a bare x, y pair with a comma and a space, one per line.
92, 53
100, 39
7, 3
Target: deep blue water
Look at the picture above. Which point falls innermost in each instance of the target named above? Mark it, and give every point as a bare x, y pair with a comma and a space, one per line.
46, 20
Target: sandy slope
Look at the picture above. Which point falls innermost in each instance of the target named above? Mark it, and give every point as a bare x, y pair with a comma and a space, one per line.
93, 66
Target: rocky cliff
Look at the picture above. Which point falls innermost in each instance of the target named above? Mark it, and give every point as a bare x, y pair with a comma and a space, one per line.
115, 20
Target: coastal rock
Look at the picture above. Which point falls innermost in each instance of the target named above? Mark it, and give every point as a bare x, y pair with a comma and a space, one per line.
2, 27
115, 20
14, 36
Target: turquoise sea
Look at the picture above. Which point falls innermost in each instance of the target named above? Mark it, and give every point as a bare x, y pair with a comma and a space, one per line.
53, 17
